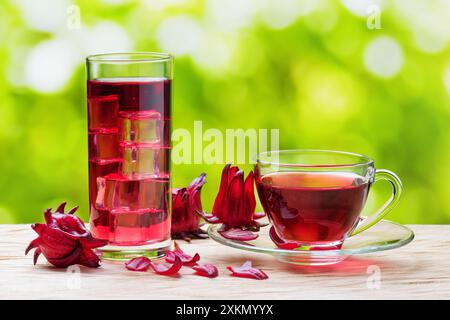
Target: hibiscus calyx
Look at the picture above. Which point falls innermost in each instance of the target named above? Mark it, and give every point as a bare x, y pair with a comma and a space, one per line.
64, 240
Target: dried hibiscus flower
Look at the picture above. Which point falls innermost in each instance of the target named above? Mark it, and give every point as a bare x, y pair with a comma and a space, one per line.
186, 259
206, 270
64, 240
185, 202
235, 205
247, 271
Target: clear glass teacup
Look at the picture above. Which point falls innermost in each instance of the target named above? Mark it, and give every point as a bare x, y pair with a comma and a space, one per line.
315, 197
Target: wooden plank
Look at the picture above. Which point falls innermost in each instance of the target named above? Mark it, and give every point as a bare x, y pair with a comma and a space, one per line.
419, 270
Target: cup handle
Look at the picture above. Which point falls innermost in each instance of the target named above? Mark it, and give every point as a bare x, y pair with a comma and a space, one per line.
397, 190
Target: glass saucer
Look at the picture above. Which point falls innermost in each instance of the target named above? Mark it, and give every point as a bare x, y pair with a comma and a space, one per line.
385, 235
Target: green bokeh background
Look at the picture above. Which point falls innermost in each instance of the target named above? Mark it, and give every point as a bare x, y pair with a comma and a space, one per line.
298, 66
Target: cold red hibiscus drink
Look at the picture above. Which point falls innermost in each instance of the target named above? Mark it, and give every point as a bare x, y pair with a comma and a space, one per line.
129, 102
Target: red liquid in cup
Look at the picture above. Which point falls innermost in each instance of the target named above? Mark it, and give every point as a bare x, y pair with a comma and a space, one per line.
129, 152
312, 207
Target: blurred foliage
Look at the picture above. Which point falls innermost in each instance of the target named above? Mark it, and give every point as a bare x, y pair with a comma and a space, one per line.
304, 67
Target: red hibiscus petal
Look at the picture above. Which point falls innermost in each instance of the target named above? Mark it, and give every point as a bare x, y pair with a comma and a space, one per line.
197, 201
177, 194
65, 261
206, 270
247, 271
33, 244
249, 198
165, 269
234, 215
66, 222
238, 234
55, 244
140, 264
259, 215
231, 173
37, 252
282, 244
184, 257
61, 207
210, 218
89, 259
197, 183
179, 211
90, 242
219, 203
193, 205
39, 228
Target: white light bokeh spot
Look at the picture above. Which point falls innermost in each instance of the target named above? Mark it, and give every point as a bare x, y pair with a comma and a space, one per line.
429, 22
106, 37
432, 30
44, 15
282, 13
49, 65
383, 57
215, 53
230, 15
180, 35
360, 7
430, 42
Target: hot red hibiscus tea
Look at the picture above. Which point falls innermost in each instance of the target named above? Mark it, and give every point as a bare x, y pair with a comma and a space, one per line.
313, 207
129, 150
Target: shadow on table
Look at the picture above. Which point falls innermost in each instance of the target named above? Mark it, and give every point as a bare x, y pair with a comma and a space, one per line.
348, 266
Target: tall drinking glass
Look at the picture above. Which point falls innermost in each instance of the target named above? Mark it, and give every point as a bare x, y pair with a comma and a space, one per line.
129, 128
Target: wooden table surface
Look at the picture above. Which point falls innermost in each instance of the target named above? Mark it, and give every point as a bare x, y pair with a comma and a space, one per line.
420, 270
